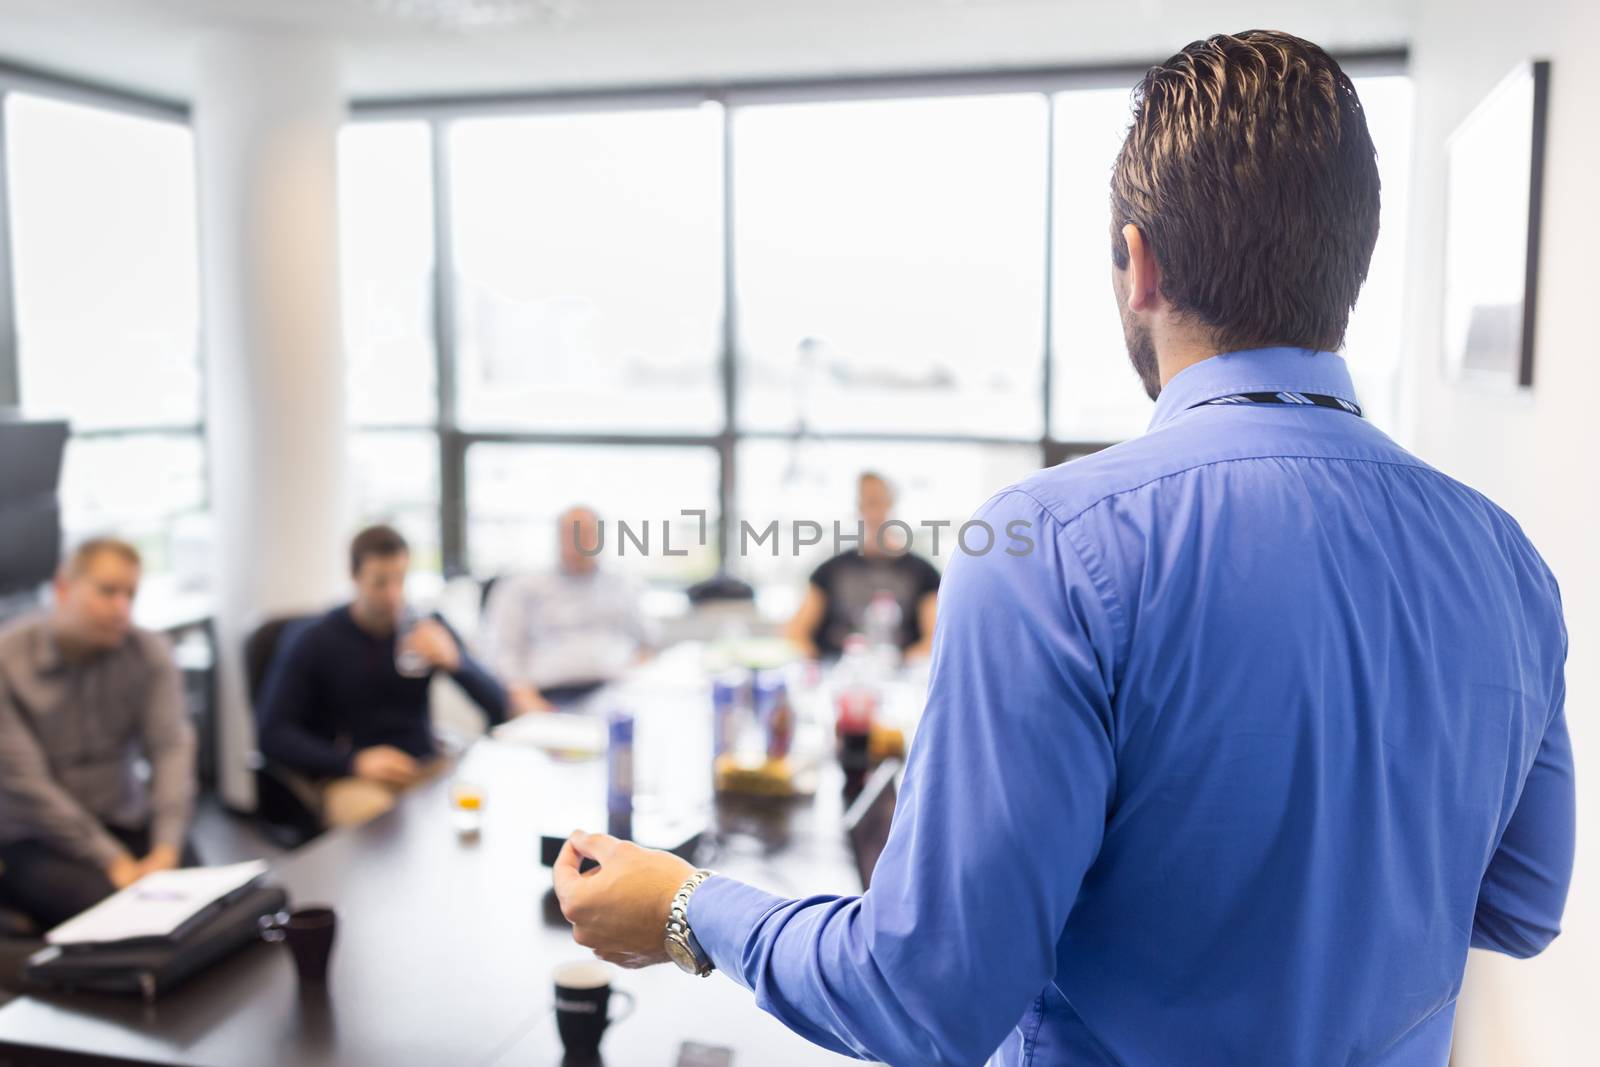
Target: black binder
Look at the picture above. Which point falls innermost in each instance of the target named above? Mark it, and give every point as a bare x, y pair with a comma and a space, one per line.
151, 967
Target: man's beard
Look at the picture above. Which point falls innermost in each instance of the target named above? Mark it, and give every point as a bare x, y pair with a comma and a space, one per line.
1141, 352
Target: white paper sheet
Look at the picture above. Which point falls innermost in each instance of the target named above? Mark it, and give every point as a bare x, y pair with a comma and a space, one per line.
555, 731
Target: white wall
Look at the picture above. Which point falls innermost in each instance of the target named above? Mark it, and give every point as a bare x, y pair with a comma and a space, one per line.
1536, 455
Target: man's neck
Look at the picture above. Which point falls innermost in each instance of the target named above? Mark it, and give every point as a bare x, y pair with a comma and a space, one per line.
375, 627
1179, 354
72, 648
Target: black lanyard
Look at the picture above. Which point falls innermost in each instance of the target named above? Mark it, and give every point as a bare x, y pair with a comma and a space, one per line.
1320, 400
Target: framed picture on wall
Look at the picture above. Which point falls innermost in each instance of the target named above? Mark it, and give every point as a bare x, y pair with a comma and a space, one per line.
1491, 274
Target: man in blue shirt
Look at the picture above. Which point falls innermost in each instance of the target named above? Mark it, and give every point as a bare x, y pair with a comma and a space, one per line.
1259, 731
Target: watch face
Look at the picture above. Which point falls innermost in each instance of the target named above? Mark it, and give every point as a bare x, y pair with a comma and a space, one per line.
681, 955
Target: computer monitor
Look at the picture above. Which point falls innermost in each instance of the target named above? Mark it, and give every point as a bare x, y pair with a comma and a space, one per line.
866, 822
30, 514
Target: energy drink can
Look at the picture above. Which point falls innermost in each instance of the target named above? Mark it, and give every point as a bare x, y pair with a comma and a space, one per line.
619, 763
727, 694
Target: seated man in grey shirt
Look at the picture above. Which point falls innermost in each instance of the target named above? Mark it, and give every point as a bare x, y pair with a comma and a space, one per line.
556, 635
83, 695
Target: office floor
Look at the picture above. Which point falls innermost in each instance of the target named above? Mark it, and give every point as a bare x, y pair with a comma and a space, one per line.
221, 837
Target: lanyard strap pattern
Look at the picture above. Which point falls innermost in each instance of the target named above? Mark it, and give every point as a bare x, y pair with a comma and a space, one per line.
1321, 400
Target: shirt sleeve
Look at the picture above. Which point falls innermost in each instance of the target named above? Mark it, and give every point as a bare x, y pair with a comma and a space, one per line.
476, 681
1005, 798
169, 745
287, 703
503, 643
927, 577
28, 788
823, 576
638, 626
1524, 890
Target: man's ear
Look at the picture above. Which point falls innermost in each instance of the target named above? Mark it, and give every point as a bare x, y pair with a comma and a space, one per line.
1144, 274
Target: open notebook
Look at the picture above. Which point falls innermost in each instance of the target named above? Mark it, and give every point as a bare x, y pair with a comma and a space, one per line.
156, 906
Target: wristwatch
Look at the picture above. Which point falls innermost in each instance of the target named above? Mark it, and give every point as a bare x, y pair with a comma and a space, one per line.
681, 945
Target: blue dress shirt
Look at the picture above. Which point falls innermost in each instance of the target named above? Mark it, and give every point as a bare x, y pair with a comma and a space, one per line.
1230, 767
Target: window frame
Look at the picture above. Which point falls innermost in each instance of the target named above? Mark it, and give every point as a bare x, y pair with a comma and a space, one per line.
439, 112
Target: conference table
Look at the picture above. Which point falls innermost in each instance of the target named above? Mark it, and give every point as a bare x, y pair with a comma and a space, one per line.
446, 943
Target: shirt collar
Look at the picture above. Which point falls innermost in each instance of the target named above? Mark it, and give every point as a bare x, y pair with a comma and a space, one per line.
47, 657
1253, 370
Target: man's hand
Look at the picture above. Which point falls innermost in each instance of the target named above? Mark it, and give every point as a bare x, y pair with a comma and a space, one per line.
123, 871
525, 698
386, 764
430, 640
619, 909
161, 858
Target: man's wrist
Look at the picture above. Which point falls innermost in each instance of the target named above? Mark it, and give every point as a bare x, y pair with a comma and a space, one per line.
682, 946
106, 854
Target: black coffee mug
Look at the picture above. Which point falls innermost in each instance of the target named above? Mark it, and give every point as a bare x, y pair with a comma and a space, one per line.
309, 934
583, 1005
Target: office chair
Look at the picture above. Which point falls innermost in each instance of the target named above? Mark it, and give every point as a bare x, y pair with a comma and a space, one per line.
720, 587
288, 805
487, 586
15, 926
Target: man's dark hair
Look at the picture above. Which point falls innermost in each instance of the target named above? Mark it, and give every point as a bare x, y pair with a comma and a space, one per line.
375, 541
1250, 173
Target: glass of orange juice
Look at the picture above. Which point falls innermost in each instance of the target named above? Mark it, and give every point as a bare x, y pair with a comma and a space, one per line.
466, 807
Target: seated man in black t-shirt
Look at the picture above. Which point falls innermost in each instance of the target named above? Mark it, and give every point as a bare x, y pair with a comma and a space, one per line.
839, 599
336, 706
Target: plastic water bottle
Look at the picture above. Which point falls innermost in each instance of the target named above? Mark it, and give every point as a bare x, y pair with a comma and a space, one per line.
407, 663
856, 700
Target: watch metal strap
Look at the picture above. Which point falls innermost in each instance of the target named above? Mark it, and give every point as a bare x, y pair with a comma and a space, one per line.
678, 915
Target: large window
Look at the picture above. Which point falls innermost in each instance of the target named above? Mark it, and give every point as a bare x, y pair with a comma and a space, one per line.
814, 480
1373, 342
891, 265
739, 305
388, 262
589, 268
518, 491
1094, 393
395, 478
101, 213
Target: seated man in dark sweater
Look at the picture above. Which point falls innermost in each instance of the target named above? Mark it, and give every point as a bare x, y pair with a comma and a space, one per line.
346, 699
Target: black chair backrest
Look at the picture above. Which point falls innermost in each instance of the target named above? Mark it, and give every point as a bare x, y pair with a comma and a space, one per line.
262, 645
720, 586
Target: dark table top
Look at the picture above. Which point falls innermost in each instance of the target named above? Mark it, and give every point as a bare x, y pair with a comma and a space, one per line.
446, 944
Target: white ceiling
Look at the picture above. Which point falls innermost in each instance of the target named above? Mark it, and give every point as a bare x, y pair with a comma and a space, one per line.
150, 45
